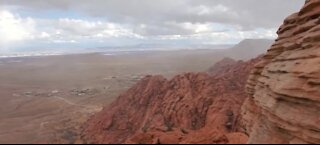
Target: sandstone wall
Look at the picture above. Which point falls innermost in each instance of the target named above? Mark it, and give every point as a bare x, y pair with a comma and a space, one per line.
284, 106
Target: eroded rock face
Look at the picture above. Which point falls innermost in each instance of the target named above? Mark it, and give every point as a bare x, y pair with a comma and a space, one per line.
284, 106
190, 108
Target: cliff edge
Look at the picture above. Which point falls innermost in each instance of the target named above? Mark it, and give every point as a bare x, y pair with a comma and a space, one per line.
284, 87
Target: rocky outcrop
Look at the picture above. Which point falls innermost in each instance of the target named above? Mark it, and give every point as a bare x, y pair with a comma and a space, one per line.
284, 106
222, 66
190, 108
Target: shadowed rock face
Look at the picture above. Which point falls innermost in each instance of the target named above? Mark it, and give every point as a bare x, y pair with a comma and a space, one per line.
190, 108
284, 106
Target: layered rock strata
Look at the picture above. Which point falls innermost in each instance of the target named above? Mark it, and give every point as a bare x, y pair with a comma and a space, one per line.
284, 88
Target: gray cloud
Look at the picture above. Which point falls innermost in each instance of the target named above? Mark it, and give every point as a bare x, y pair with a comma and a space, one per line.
166, 17
148, 10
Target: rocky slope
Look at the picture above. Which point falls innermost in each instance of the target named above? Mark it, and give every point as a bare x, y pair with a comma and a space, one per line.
222, 66
285, 86
190, 108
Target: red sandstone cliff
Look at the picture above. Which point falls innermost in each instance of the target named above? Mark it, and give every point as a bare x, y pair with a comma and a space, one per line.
284, 106
190, 108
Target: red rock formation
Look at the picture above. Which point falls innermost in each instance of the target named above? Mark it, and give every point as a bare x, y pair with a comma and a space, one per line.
222, 66
190, 108
284, 106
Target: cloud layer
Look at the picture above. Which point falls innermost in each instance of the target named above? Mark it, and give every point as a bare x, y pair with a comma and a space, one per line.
124, 22
14, 28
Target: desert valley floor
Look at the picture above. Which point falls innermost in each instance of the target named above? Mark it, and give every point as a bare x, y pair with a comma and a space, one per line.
46, 99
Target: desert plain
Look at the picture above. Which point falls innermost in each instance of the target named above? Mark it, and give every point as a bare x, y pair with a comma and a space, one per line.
47, 99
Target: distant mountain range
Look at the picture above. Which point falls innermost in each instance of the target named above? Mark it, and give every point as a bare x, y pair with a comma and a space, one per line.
249, 48
154, 46
246, 49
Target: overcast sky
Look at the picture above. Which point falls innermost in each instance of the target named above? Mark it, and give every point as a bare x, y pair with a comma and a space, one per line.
95, 23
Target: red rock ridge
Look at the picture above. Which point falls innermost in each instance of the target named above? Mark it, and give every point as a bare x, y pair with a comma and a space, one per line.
190, 108
221, 66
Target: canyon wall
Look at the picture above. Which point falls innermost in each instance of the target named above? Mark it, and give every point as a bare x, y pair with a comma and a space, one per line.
284, 88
